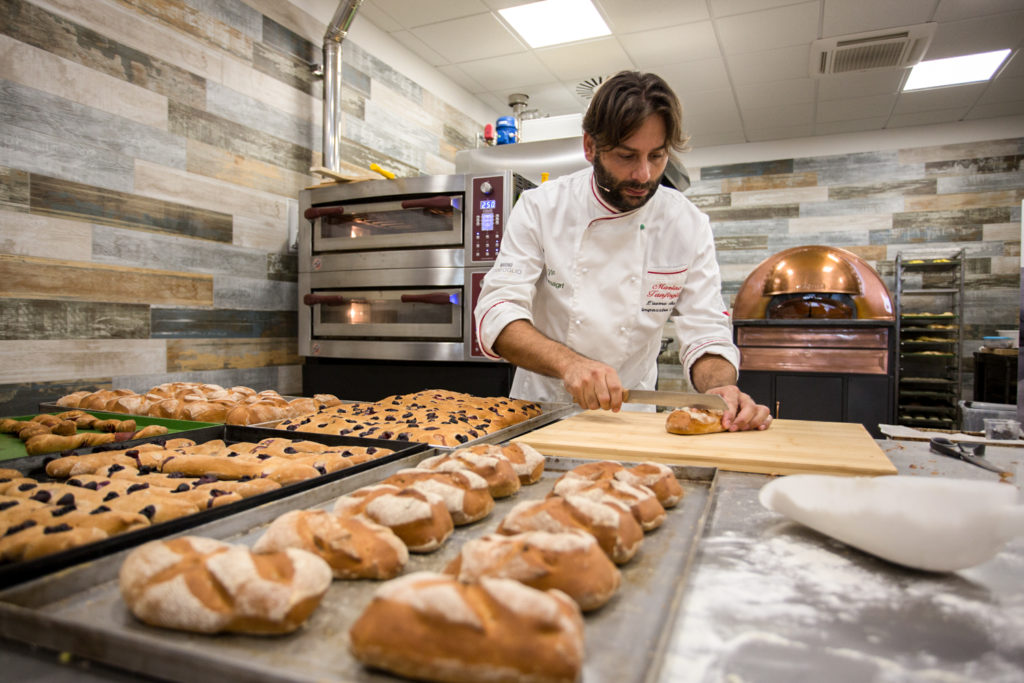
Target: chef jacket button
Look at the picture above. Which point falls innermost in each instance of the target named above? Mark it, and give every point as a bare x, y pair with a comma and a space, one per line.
576, 322
623, 329
583, 270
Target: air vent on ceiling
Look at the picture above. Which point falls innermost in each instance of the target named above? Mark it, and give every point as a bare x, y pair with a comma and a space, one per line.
585, 89
888, 49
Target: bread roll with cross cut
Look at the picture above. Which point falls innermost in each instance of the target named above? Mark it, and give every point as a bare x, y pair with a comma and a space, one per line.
420, 519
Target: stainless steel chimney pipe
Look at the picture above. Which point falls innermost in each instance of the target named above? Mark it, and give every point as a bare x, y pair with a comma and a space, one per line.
335, 34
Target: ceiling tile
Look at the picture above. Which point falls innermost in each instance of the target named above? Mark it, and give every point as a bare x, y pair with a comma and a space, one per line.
939, 98
780, 132
843, 16
987, 111
977, 35
856, 108
862, 84
724, 8
925, 118
509, 71
685, 43
421, 49
469, 38
952, 10
601, 57
790, 25
629, 16
1014, 68
715, 138
550, 99
695, 77
411, 13
772, 65
853, 126
776, 93
1003, 89
712, 112
777, 117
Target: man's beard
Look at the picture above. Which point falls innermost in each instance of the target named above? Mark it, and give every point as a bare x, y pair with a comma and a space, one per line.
612, 190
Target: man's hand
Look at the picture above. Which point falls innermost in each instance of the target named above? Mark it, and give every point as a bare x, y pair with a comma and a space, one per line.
743, 414
714, 375
593, 385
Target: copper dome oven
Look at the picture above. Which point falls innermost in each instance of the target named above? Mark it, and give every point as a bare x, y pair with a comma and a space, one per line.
816, 330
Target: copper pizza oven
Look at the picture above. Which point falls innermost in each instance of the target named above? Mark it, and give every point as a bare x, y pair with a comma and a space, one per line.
816, 330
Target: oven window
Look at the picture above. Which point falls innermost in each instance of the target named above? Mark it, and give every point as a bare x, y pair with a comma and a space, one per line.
362, 224
386, 311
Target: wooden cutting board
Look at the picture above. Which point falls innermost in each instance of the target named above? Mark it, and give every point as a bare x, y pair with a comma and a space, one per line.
787, 447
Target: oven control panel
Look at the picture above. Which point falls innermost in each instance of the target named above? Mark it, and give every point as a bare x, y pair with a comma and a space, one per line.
486, 213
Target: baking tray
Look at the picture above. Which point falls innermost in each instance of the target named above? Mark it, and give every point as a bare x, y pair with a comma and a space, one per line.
13, 447
551, 412
80, 611
35, 467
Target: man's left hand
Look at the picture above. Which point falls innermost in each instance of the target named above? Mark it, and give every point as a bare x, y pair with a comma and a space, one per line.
743, 413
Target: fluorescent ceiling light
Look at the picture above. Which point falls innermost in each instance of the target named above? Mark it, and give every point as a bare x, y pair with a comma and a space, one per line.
955, 70
552, 22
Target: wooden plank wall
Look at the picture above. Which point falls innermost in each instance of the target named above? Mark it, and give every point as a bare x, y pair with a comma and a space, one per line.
938, 199
151, 150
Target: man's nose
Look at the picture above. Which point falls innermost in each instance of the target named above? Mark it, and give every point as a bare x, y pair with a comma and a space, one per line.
642, 171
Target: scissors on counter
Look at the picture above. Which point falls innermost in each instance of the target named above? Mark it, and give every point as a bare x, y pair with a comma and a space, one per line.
974, 453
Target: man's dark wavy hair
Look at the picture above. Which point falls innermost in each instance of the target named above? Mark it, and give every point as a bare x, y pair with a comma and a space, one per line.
622, 103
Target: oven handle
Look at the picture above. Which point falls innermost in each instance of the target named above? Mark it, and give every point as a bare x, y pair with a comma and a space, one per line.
315, 212
440, 298
429, 203
326, 299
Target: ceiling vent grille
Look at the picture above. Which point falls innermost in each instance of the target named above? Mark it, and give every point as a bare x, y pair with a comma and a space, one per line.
889, 49
585, 89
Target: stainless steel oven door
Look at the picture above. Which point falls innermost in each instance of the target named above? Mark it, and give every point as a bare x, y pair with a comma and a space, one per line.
421, 314
417, 222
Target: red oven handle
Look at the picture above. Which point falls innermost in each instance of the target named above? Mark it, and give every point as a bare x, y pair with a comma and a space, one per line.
441, 298
315, 212
328, 299
428, 203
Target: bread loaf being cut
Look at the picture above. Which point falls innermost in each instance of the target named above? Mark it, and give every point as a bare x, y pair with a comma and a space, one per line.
689, 420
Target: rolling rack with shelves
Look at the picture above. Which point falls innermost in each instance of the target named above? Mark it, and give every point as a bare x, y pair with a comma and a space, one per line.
929, 328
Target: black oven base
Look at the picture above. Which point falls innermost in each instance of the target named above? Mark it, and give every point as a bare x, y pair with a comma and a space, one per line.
372, 380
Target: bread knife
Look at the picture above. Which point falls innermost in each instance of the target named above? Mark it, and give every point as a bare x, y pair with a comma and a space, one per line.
675, 399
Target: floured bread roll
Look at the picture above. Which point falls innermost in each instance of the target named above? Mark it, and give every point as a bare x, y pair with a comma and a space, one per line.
354, 547
611, 523
465, 494
641, 500
431, 627
570, 561
526, 460
420, 519
488, 462
655, 476
206, 586
690, 420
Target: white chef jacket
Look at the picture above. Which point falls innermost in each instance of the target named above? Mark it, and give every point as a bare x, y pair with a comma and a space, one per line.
604, 282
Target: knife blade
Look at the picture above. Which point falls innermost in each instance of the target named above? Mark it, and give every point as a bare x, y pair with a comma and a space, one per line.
675, 399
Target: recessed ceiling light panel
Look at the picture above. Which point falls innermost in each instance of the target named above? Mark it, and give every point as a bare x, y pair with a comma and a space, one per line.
938, 73
553, 22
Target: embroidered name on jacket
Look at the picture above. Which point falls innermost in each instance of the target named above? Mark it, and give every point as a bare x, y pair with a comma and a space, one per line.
662, 294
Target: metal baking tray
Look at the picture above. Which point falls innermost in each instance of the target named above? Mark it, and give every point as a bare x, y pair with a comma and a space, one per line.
550, 413
80, 611
35, 467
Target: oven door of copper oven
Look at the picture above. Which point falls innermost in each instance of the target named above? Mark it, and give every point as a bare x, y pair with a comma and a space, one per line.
433, 220
420, 313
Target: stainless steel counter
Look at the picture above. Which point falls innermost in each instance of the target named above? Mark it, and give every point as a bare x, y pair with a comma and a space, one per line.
769, 600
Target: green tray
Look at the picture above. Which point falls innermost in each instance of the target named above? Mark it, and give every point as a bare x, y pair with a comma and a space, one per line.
12, 447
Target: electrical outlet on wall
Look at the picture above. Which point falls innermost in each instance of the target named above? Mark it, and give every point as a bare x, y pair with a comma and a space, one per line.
293, 225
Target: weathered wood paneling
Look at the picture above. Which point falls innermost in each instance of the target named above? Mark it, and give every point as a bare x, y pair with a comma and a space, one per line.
60, 359
48, 319
213, 162
23, 398
26, 234
33, 278
188, 20
222, 323
13, 189
54, 197
203, 354
27, 23
759, 168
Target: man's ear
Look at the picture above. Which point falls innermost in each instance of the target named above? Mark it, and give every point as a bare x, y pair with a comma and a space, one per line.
589, 147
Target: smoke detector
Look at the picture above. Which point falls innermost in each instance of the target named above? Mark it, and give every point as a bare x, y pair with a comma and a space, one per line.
585, 89
886, 49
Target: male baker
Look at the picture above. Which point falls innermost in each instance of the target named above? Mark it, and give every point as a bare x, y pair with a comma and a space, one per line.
593, 264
